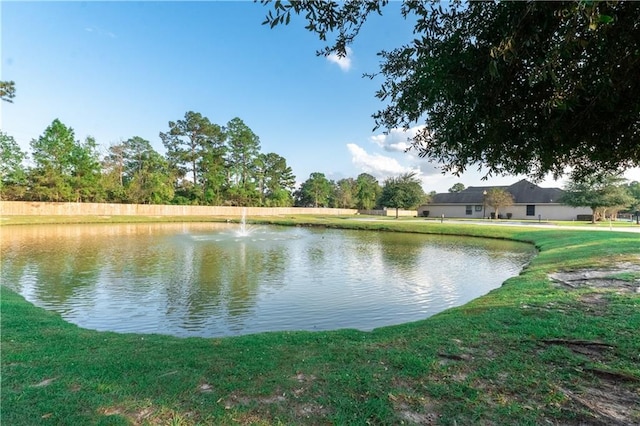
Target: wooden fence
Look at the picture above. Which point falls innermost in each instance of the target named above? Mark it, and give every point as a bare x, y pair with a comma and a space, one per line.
26, 208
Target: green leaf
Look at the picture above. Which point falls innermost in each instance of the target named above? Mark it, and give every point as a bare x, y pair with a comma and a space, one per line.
493, 69
605, 19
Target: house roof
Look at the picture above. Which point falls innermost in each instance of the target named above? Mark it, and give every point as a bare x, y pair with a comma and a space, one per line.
524, 192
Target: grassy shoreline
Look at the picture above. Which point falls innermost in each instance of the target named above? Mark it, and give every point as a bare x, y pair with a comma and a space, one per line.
77, 219
529, 352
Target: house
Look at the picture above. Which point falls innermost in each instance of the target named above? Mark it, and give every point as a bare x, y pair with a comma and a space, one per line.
529, 202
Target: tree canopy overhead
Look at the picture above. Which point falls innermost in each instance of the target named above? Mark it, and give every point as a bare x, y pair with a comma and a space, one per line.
7, 90
517, 87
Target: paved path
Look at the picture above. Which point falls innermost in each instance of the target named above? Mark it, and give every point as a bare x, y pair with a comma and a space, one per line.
630, 228
635, 228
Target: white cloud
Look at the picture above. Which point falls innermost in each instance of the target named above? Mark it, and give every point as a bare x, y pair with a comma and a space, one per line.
396, 140
343, 62
377, 165
428, 168
400, 161
430, 174
633, 174
100, 32
399, 141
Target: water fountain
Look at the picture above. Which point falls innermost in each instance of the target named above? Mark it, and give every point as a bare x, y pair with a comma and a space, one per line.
244, 231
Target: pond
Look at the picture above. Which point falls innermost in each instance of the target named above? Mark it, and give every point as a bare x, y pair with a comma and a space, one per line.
209, 280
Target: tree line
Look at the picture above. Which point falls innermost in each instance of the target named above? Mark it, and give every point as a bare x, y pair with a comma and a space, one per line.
209, 164
204, 164
606, 194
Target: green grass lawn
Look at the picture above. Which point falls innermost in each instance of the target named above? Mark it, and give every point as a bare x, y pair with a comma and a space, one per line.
530, 352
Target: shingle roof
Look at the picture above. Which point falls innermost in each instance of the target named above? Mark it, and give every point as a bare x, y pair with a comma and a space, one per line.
524, 192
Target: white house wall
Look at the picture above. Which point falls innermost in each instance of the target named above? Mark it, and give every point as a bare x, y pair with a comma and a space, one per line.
518, 211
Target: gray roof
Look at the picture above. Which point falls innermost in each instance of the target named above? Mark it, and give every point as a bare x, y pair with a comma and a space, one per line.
524, 192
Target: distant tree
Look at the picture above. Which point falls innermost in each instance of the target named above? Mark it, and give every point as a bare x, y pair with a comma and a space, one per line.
634, 190
598, 192
112, 180
457, 187
280, 198
152, 183
243, 195
428, 197
332, 202
517, 86
498, 198
244, 147
186, 142
146, 175
7, 91
85, 172
260, 170
137, 152
213, 172
243, 150
367, 191
403, 192
315, 191
13, 177
346, 193
52, 155
275, 180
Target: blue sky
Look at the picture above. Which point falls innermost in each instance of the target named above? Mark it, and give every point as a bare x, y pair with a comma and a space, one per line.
114, 70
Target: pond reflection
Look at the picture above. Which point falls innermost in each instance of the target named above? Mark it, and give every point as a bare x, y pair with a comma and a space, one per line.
205, 280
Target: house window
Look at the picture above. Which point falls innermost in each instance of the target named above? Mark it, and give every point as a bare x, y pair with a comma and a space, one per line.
478, 208
468, 210
531, 210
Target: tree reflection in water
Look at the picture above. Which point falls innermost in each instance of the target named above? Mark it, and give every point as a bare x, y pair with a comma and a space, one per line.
203, 280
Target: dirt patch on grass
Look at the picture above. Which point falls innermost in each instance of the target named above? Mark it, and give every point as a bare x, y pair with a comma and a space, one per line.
414, 410
595, 303
608, 403
607, 397
311, 410
148, 415
610, 397
594, 350
623, 277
